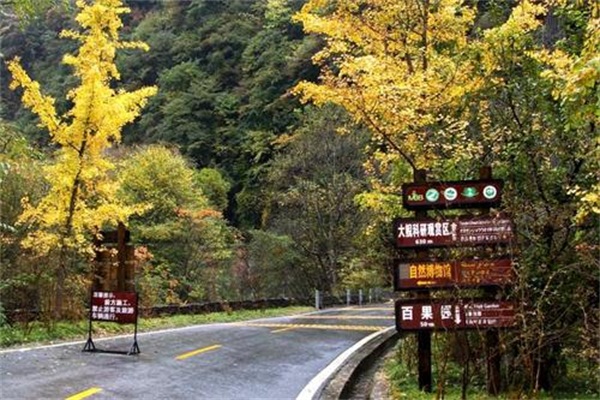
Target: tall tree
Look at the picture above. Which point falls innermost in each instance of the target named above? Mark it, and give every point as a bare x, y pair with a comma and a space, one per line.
82, 196
447, 89
313, 183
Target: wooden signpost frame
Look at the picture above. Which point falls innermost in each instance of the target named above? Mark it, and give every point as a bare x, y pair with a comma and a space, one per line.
422, 295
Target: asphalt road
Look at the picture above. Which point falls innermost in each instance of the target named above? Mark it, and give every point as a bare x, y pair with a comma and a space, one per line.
271, 358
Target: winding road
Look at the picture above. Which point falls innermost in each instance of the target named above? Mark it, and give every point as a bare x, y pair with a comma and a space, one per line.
273, 358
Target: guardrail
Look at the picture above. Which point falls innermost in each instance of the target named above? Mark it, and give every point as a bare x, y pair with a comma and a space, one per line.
320, 300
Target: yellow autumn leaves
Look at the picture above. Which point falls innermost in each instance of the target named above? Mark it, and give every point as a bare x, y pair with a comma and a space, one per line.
408, 69
82, 196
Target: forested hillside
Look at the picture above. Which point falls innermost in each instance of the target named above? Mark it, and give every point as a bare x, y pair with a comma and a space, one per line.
270, 160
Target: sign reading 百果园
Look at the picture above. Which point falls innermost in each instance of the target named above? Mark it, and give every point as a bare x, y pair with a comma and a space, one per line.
452, 194
452, 274
442, 315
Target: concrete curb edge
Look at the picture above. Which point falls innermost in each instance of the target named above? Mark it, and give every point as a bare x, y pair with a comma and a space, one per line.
337, 378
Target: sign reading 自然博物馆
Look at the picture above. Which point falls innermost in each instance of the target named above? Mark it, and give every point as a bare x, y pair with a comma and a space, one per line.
452, 194
451, 274
120, 307
452, 314
461, 231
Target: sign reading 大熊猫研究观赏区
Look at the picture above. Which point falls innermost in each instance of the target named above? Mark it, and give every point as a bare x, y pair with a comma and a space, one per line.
448, 314
120, 307
470, 231
451, 274
452, 194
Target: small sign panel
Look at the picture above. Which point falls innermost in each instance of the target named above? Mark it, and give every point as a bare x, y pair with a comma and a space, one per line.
120, 307
450, 274
452, 194
446, 315
415, 233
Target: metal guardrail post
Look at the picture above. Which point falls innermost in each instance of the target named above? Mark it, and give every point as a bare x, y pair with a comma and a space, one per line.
317, 299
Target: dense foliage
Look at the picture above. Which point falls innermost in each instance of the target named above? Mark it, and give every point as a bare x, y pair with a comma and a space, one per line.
235, 189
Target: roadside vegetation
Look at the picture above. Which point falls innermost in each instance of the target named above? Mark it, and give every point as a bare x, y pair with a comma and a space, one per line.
40, 333
459, 373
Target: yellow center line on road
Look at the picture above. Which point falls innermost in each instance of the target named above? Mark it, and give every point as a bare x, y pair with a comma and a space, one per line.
196, 352
283, 330
360, 308
84, 394
345, 317
318, 326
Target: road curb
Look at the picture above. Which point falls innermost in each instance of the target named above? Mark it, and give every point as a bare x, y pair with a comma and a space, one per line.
337, 379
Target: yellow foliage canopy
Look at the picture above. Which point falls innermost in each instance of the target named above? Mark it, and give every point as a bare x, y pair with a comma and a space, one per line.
393, 65
82, 195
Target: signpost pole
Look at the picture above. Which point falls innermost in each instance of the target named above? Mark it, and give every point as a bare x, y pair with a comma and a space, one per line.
423, 336
492, 336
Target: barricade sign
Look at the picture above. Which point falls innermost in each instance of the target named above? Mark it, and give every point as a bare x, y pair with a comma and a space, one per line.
113, 306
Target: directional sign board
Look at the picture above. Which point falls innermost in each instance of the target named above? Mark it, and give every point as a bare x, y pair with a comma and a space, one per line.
120, 307
471, 231
452, 194
450, 274
445, 315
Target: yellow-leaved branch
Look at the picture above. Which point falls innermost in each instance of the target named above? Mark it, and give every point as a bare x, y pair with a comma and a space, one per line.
82, 194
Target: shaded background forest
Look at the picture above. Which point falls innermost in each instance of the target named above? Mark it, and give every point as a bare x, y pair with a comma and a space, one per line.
257, 195
213, 138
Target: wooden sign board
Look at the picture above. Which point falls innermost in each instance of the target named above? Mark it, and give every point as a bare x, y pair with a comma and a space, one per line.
446, 315
451, 274
120, 307
471, 231
452, 194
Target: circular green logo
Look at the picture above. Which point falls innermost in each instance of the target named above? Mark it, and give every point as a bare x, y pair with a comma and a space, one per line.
489, 192
469, 192
450, 194
432, 195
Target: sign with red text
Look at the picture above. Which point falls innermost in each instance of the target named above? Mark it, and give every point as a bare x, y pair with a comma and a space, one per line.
452, 194
461, 314
449, 274
120, 307
470, 231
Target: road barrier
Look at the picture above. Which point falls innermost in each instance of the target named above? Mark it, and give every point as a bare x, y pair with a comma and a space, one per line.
323, 299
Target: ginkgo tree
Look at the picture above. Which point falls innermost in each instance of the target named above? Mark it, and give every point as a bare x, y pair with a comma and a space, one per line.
82, 195
394, 65
448, 87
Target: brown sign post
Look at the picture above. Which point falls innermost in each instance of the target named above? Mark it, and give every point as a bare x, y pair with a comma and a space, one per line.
421, 314
453, 274
461, 231
452, 314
